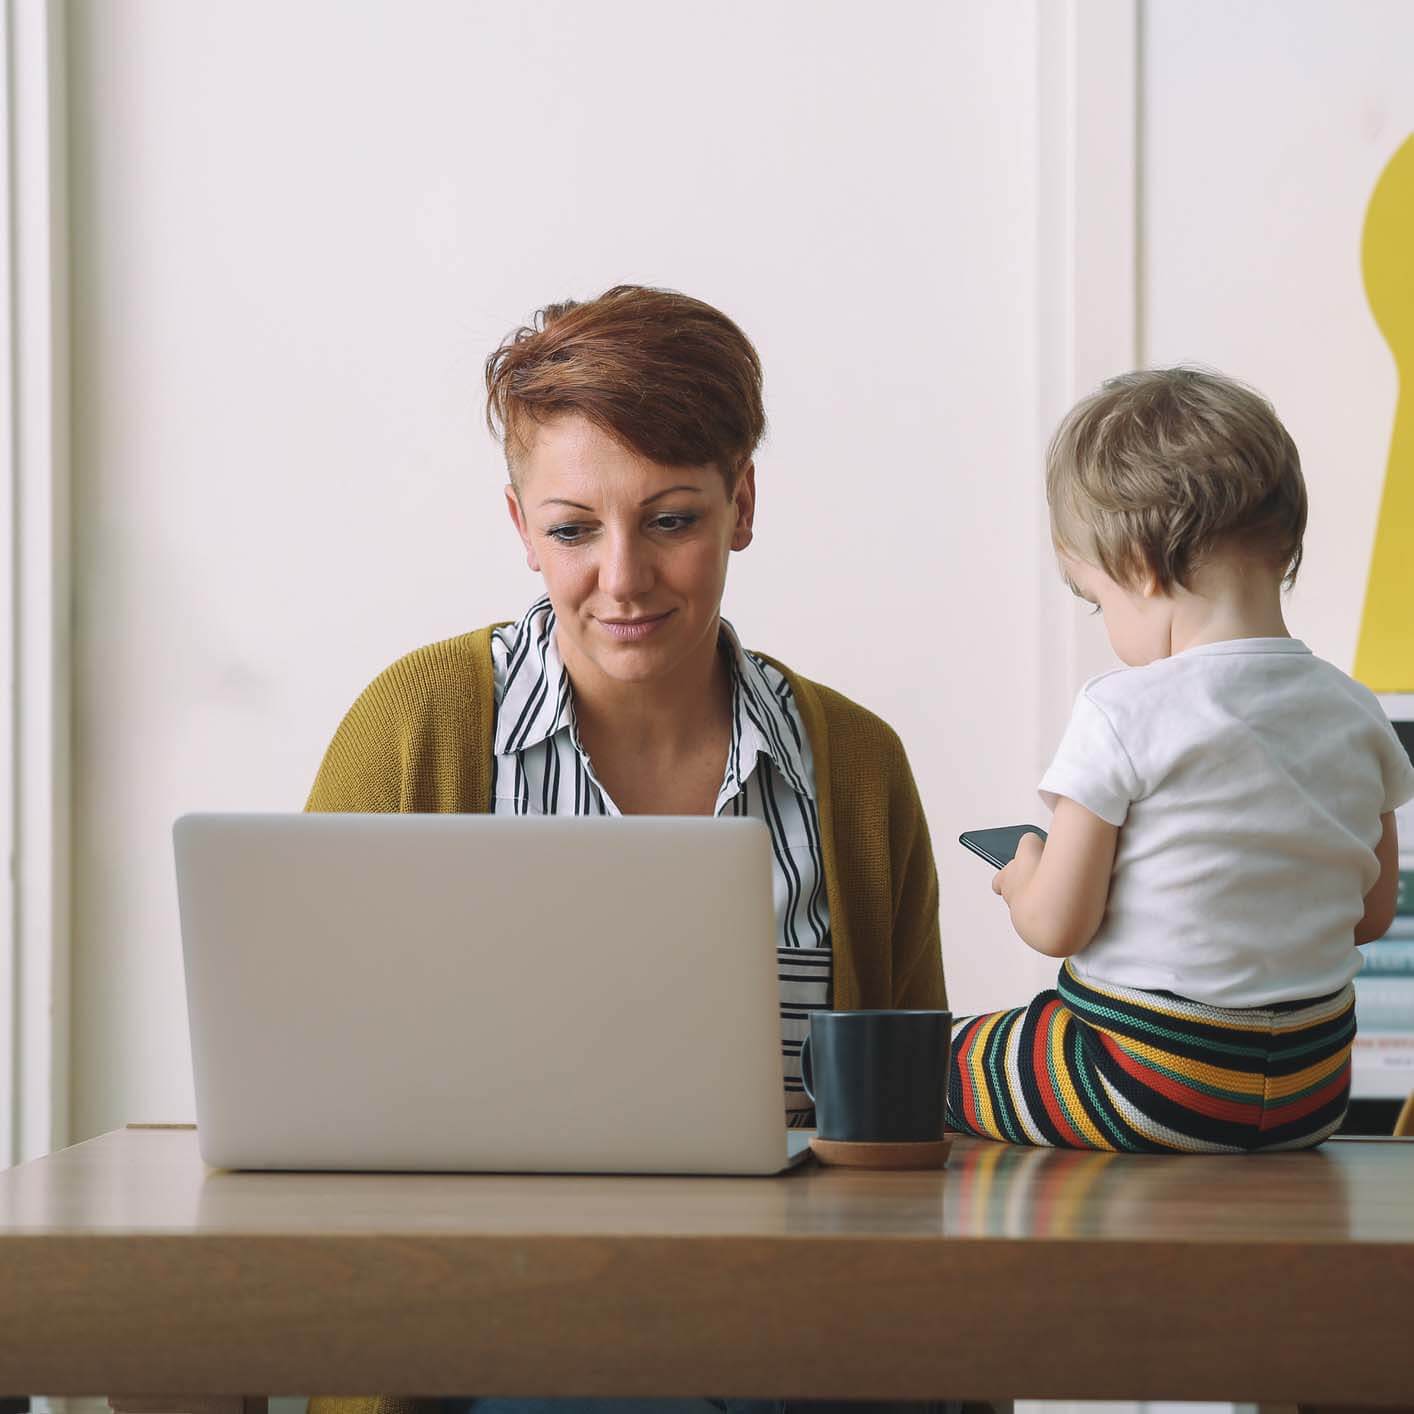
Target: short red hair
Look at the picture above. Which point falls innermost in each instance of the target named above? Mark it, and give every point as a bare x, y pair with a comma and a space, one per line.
670, 377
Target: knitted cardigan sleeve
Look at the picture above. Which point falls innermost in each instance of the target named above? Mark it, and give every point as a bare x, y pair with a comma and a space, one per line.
918, 956
419, 737
909, 875
884, 889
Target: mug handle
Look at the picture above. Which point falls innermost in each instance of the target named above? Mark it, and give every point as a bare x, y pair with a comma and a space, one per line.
806, 1069
947, 1076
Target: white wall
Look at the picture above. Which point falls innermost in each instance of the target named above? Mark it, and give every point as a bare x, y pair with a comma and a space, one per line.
1266, 124
298, 229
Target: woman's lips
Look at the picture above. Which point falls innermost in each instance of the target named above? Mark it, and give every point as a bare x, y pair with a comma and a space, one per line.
633, 630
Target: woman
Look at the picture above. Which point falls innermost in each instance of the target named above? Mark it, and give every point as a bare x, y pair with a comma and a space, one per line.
629, 423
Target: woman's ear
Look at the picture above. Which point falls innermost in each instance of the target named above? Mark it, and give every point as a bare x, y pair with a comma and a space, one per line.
517, 511
744, 507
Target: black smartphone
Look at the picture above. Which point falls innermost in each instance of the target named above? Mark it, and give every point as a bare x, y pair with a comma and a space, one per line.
998, 847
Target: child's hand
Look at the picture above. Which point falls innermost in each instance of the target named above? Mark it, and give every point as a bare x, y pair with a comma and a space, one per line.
1056, 892
1011, 880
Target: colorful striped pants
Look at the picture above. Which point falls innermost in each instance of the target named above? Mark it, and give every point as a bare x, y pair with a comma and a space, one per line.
1091, 1066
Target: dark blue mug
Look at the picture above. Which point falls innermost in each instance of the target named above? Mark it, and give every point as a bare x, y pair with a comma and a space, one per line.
878, 1077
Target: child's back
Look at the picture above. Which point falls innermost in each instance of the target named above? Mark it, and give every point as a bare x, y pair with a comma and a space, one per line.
1249, 778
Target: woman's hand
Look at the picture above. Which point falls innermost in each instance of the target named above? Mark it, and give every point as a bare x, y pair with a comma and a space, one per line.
1016, 875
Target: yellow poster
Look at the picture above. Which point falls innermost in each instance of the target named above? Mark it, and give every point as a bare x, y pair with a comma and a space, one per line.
1384, 657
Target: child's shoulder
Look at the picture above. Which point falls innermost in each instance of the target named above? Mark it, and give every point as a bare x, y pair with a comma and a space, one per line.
1125, 689
1330, 679
1284, 670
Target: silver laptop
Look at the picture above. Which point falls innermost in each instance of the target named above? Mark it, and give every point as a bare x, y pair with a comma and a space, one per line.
466, 992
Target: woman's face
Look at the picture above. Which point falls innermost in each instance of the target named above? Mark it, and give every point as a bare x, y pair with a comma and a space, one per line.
634, 554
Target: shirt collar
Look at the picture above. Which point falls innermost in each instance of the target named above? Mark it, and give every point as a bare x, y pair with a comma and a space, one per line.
538, 701
761, 725
1244, 645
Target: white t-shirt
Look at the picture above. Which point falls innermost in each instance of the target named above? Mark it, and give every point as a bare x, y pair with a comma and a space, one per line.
1249, 778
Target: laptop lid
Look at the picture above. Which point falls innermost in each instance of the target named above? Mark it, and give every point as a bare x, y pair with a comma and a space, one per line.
471, 992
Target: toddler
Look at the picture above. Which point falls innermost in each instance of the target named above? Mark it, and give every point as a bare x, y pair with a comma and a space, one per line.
1223, 833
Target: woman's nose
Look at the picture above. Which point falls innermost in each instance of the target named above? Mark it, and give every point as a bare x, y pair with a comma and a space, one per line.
626, 570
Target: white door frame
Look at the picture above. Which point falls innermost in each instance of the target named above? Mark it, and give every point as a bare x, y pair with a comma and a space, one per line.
35, 598
1089, 116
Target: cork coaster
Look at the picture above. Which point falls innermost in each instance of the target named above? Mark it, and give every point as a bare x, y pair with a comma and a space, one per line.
932, 1154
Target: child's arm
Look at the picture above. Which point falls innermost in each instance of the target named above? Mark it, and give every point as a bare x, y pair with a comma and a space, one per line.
1057, 892
1379, 902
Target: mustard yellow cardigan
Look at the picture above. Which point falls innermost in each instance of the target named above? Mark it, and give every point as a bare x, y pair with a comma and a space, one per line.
420, 737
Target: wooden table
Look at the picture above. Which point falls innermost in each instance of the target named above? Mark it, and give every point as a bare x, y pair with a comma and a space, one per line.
125, 1264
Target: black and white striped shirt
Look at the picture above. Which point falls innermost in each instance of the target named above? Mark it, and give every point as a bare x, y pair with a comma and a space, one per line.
540, 767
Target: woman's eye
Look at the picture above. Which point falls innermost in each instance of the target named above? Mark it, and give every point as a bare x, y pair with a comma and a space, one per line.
567, 534
674, 522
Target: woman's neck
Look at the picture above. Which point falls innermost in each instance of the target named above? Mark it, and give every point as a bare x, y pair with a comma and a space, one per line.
666, 717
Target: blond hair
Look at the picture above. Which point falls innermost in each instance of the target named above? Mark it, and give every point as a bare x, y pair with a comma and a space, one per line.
1160, 467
